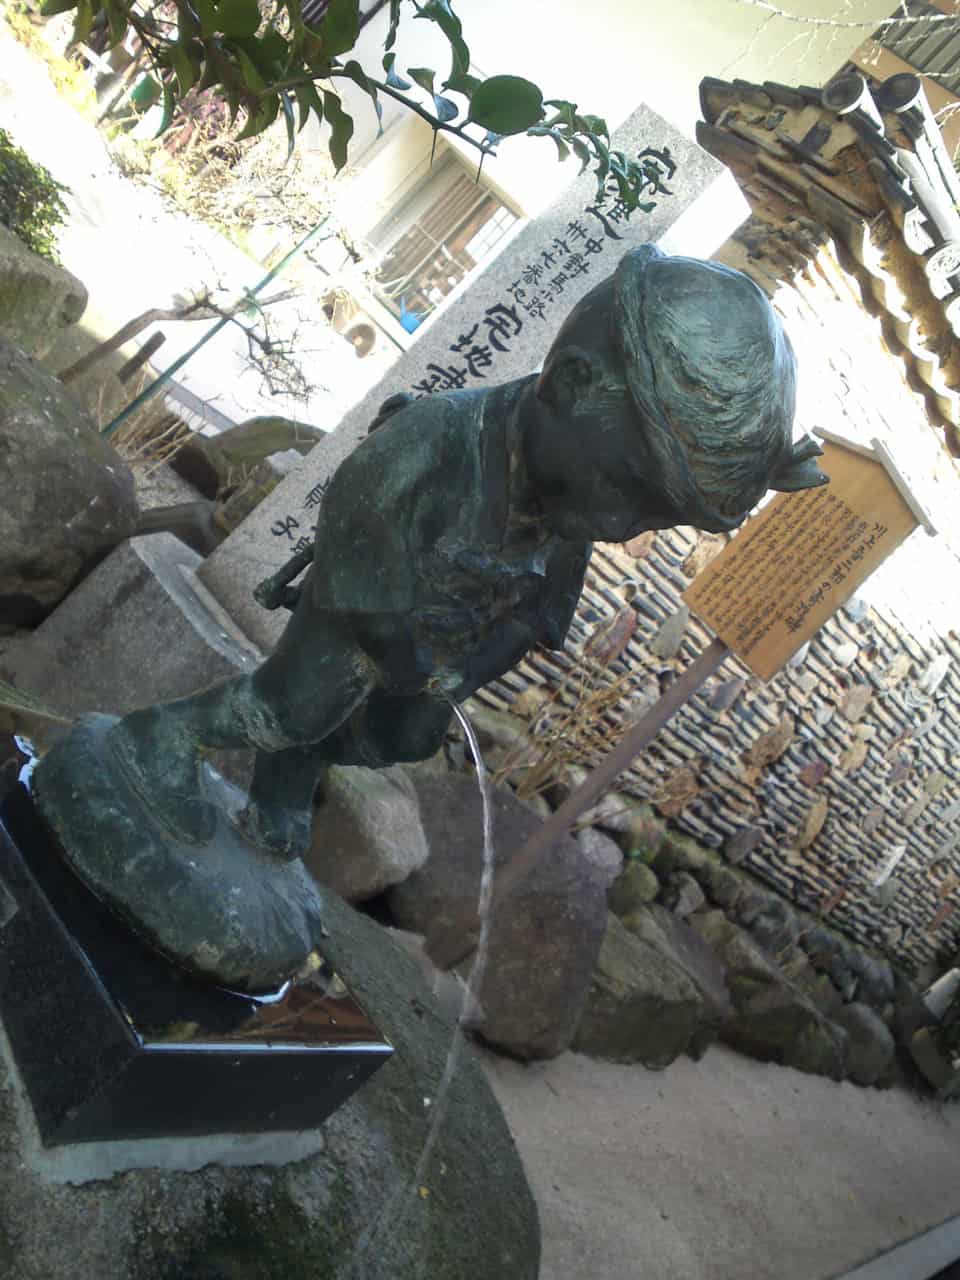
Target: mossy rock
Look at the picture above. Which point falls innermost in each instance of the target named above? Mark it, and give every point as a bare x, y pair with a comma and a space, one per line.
635, 886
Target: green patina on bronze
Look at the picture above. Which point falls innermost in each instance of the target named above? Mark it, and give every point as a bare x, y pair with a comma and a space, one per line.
456, 537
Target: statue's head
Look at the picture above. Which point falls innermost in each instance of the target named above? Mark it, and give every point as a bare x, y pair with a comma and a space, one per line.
678, 374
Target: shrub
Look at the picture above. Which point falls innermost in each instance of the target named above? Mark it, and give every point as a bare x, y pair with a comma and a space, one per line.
31, 201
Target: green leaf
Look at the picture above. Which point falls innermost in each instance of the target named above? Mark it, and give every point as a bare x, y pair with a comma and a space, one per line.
439, 11
185, 68
290, 122
207, 13
251, 74
506, 105
116, 21
50, 8
563, 151
257, 121
308, 100
393, 80
169, 102
271, 52
341, 128
353, 71
582, 152
83, 22
188, 22
394, 20
423, 76
238, 17
445, 108
340, 26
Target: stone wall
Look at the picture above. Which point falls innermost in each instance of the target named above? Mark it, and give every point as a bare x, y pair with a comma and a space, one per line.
813, 781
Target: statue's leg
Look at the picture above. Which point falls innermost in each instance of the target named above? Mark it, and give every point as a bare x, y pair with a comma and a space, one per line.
384, 730
304, 690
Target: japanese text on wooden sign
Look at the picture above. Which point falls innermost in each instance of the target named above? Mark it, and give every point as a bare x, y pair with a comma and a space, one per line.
795, 563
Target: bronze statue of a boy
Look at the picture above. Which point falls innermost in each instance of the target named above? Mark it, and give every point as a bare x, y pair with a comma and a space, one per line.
457, 535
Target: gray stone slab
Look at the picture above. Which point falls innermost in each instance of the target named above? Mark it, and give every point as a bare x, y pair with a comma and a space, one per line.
139, 629
498, 329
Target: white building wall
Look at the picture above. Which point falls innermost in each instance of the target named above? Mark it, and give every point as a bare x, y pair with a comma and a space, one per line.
609, 56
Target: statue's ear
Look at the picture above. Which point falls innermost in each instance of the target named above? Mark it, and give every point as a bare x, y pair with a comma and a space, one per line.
566, 375
797, 470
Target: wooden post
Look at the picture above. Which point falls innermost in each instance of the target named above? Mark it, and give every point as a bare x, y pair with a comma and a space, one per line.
457, 945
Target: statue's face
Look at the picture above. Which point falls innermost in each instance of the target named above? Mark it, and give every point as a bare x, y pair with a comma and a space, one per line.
595, 476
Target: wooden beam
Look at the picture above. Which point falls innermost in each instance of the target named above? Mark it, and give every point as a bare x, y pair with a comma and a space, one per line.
880, 63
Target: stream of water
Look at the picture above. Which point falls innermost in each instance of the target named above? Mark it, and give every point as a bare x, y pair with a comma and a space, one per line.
404, 1195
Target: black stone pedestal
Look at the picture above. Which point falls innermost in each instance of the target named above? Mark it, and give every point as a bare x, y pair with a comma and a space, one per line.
112, 1042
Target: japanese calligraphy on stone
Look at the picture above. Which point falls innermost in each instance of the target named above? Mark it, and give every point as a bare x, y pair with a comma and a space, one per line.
543, 279
795, 563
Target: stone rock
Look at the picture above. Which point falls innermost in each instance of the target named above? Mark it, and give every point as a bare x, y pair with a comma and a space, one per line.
934, 1065
698, 960
679, 853
813, 822
642, 1006
726, 694
856, 609
614, 810
682, 894
367, 834
644, 834
845, 653
602, 852
800, 657
678, 789
68, 497
38, 298
497, 728
666, 643
812, 774
876, 985
741, 843
708, 547
854, 756
636, 886
872, 820
821, 945
641, 546
147, 636
855, 702
722, 886
843, 977
773, 1020
306, 1219
544, 938
870, 1046
753, 902
770, 746
775, 928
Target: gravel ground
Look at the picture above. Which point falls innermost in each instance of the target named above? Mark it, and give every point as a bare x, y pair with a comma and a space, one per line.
723, 1169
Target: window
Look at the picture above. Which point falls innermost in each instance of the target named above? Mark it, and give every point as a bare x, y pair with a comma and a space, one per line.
443, 232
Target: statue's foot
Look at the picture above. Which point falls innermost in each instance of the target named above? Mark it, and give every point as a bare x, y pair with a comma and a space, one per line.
278, 829
164, 775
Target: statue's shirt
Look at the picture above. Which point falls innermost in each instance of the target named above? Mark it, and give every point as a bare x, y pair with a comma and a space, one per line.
416, 555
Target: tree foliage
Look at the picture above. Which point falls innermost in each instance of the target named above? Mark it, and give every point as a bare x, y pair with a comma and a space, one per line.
31, 201
266, 62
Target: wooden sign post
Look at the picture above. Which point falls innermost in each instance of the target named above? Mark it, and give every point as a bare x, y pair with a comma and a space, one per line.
768, 592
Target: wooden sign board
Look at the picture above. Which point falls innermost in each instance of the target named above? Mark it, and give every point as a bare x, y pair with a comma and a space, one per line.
794, 564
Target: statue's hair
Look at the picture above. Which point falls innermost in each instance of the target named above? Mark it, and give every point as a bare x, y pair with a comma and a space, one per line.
711, 369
